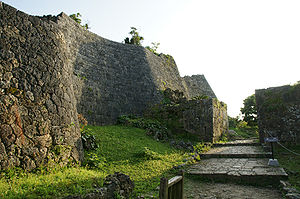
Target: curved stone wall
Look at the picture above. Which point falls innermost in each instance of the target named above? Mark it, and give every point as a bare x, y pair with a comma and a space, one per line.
37, 103
51, 69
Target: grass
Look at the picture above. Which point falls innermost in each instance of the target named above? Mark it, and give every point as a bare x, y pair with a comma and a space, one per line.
121, 149
245, 132
290, 162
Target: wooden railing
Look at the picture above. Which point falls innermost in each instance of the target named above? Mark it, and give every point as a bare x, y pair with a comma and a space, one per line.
171, 189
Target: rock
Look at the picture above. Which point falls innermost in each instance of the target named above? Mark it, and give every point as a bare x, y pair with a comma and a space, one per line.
292, 196
117, 184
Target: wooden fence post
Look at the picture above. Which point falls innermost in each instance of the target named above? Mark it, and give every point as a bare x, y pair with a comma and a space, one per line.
163, 191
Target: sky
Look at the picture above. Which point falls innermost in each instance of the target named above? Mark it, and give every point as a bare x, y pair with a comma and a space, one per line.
239, 45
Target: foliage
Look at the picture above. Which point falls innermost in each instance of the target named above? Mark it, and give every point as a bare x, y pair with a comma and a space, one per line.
245, 132
249, 111
88, 140
233, 121
290, 162
154, 47
77, 18
153, 127
117, 152
242, 129
202, 147
135, 39
94, 160
200, 97
148, 154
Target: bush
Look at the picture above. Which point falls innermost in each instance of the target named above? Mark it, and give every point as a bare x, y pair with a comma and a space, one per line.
154, 128
88, 140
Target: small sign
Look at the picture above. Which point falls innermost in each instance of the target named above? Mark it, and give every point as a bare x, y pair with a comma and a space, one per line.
271, 139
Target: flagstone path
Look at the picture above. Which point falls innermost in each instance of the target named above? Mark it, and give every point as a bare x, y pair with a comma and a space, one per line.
235, 163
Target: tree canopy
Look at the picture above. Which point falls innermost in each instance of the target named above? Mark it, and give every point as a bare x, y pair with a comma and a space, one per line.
249, 111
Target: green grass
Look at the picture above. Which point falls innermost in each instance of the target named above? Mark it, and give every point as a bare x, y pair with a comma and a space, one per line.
290, 163
245, 132
121, 149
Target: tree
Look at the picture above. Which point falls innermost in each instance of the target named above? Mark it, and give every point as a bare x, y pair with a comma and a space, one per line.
249, 111
135, 39
77, 17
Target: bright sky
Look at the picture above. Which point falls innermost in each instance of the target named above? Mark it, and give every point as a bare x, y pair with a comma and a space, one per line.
239, 45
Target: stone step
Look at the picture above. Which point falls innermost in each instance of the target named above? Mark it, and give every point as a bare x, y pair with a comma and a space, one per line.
238, 170
235, 155
250, 142
236, 152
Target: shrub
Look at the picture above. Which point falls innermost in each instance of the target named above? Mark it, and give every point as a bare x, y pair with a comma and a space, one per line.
154, 128
88, 140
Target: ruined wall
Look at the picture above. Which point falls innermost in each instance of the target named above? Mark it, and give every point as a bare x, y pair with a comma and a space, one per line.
197, 85
278, 111
37, 102
206, 118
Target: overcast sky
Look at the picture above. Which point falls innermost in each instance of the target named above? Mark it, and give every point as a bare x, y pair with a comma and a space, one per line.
239, 45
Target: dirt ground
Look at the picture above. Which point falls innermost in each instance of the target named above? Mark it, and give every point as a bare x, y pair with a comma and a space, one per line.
204, 190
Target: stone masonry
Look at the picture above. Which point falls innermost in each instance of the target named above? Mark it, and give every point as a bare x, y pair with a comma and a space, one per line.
37, 103
278, 111
51, 69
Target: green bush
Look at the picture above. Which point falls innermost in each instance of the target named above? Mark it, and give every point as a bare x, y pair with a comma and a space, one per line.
153, 127
88, 140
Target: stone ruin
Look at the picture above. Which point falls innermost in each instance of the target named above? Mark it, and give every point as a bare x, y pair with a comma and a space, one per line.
278, 111
51, 69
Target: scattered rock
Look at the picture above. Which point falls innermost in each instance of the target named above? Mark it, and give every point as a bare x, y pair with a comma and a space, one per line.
117, 185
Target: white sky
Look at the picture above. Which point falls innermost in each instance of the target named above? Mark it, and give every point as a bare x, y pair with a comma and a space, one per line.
239, 45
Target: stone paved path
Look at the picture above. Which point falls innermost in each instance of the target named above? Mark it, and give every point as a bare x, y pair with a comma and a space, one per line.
239, 163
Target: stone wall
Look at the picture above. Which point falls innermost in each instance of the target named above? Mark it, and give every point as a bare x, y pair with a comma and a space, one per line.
51, 69
37, 103
206, 118
197, 85
113, 79
278, 111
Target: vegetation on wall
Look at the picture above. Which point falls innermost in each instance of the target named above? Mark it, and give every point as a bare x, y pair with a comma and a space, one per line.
77, 17
154, 47
135, 39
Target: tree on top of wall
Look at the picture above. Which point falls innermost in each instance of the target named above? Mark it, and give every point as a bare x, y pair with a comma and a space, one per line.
249, 111
77, 17
135, 39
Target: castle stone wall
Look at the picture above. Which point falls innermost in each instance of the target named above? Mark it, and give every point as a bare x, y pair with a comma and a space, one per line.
206, 118
278, 111
51, 69
37, 103
113, 79
197, 85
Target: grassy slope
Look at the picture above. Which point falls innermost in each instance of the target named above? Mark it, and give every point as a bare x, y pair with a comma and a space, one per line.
290, 162
123, 149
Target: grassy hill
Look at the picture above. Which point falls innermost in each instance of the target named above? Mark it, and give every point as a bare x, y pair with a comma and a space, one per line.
121, 149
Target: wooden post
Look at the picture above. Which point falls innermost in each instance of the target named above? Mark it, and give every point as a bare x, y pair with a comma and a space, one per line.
173, 188
163, 191
182, 183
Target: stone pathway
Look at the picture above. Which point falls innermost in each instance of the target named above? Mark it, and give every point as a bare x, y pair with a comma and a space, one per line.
238, 162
